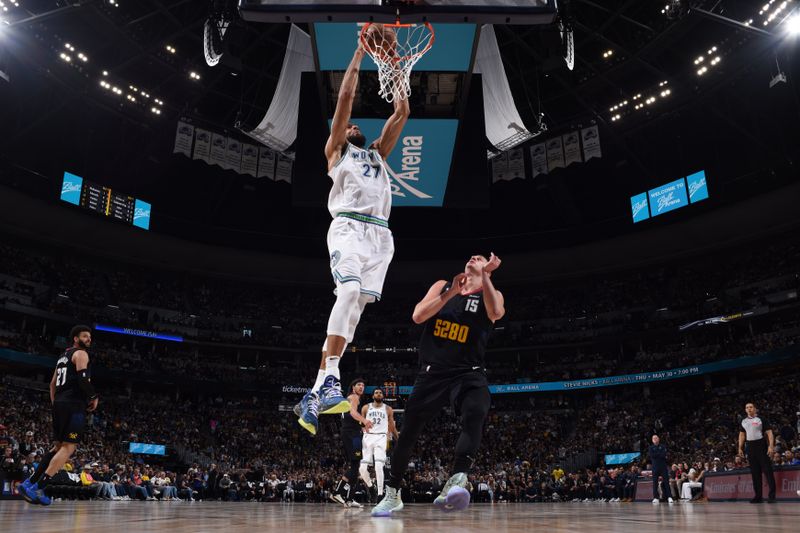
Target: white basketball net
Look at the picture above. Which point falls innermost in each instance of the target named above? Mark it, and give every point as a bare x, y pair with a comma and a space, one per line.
395, 50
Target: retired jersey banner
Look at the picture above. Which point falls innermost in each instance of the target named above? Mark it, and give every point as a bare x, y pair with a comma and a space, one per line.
419, 165
538, 159
500, 167
572, 148
284, 169
516, 164
233, 155
555, 154
183, 139
590, 137
266, 163
219, 148
202, 145
250, 159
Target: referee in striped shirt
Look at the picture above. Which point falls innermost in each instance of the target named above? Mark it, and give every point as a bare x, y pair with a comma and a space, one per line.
759, 453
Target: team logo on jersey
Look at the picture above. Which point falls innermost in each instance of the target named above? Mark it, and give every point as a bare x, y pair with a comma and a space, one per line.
335, 257
73, 435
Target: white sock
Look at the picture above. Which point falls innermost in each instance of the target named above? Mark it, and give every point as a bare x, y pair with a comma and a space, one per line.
364, 471
320, 379
332, 366
379, 477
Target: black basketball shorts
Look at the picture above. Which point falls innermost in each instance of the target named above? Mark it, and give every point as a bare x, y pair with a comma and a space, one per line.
69, 421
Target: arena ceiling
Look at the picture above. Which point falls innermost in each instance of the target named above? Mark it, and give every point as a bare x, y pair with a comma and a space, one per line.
726, 118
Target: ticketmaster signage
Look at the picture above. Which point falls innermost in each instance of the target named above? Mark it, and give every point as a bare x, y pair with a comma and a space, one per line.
670, 196
419, 165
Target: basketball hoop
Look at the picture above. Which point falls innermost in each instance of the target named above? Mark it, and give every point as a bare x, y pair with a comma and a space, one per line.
395, 52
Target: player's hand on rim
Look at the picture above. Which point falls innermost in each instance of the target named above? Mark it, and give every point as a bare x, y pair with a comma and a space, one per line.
492, 264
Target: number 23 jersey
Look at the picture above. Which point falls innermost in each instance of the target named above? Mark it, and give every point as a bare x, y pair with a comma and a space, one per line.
456, 337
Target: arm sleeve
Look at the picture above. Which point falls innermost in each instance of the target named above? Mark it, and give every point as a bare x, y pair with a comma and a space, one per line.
86, 385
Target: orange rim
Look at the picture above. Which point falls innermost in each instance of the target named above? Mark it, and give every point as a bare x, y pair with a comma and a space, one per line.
362, 38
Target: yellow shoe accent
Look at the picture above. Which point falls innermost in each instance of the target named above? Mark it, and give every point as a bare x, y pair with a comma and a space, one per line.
308, 427
341, 407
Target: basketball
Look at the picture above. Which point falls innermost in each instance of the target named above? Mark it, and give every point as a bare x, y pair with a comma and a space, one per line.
381, 40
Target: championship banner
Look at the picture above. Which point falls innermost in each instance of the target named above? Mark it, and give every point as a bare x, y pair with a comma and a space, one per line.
516, 164
284, 170
202, 145
233, 155
250, 159
539, 159
219, 147
555, 154
499, 167
738, 484
183, 139
266, 163
591, 143
572, 148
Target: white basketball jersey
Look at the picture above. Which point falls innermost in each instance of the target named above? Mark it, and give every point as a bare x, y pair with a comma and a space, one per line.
360, 184
379, 419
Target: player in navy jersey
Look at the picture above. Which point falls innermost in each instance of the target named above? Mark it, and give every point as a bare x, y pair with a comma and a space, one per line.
72, 395
458, 317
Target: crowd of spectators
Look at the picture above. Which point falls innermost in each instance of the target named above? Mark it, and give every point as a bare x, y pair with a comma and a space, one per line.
251, 450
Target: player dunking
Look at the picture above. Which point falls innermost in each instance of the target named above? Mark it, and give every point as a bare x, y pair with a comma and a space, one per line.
351, 442
359, 241
458, 318
72, 395
373, 448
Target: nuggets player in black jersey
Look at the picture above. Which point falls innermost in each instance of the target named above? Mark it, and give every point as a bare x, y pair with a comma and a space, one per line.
352, 422
458, 317
72, 395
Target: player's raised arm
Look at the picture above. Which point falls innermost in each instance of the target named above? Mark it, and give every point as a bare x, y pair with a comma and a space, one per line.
344, 106
393, 128
435, 299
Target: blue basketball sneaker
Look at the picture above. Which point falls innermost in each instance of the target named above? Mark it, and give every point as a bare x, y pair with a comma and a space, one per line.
23, 491
33, 494
331, 400
309, 412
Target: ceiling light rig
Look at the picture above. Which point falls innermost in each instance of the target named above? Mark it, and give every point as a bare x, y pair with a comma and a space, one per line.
705, 62
135, 95
639, 101
772, 12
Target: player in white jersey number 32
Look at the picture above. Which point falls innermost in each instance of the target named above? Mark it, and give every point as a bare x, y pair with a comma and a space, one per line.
359, 241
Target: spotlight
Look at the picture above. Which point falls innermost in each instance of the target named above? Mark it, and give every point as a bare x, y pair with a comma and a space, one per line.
793, 25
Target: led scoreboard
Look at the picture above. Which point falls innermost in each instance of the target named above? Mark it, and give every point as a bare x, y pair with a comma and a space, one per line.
105, 201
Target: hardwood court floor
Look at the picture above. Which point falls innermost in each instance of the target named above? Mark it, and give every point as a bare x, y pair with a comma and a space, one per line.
185, 517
